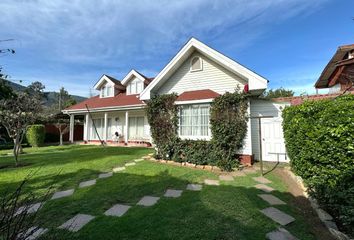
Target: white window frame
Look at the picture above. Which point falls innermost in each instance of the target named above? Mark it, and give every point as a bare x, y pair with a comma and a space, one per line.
191, 64
135, 87
194, 137
104, 91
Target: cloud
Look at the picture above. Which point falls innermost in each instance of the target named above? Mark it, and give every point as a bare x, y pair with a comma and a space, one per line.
114, 36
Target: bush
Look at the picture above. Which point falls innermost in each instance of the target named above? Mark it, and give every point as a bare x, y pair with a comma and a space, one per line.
35, 135
319, 138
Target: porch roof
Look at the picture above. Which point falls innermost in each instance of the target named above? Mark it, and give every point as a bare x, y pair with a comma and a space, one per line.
120, 100
197, 95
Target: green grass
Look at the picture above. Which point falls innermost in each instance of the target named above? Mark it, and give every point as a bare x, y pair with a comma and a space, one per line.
228, 211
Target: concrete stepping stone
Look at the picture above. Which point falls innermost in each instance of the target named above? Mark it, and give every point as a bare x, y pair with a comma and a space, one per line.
226, 178
194, 187
61, 194
249, 170
117, 210
139, 160
280, 234
33, 233
148, 201
261, 180
77, 222
212, 182
118, 169
87, 183
32, 208
272, 200
173, 193
105, 175
278, 216
130, 164
264, 188
238, 174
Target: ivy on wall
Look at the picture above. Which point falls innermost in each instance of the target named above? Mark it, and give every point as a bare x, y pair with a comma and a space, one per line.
228, 120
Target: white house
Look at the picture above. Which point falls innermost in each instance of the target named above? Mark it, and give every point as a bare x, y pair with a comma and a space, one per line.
198, 74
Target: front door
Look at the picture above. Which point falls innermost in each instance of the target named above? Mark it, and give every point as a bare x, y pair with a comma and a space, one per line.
273, 145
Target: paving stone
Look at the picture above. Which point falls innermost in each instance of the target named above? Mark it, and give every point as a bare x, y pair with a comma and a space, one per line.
61, 194
264, 187
238, 174
118, 169
249, 170
211, 182
77, 222
87, 183
139, 160
148, 201
30, 208
194, 187
272, 200
173, 193
130, 164
33, 233
261, 180
117, 210
323, 215
226, 178
278, 216
280, 234
105, 175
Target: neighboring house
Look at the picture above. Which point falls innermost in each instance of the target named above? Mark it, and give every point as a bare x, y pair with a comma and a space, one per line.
198, 74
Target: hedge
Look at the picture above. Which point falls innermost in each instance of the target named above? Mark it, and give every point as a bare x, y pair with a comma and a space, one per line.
35, 135
319, 138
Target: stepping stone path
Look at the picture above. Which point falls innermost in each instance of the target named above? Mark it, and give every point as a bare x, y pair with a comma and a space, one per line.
194, 187
280, 234
278, 216
87, 183
117, 210
105, 175
263, 187
148, 201
138, 160
272, 200
77, 222
212, 182
238, 174
61, 194
29, 209
226, 178
130, 164
261, 180
249, 170
33, 233
173, 193
118, 169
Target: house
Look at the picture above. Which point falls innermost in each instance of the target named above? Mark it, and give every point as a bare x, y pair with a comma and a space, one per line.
198, 74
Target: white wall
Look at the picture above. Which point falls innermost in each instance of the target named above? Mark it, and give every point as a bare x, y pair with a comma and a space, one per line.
263, 108
213, 77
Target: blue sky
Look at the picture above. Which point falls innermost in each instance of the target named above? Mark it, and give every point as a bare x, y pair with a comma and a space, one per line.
72, 43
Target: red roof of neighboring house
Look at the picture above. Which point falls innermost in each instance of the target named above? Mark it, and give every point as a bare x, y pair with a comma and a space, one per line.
119, 100
197, 95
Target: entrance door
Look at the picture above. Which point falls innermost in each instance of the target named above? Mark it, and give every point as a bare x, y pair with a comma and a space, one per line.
273, 145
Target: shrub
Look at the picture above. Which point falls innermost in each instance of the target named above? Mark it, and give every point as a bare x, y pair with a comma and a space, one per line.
319, 138
35, 135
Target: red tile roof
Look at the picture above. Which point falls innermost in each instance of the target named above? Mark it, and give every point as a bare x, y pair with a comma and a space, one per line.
197, 95
119, 100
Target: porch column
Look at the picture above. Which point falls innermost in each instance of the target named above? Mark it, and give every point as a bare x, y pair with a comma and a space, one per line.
126, 127
71, 134
105, 127
86, 130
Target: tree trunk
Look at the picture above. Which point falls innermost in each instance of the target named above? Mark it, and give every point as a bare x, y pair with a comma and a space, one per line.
61, 139
15, 151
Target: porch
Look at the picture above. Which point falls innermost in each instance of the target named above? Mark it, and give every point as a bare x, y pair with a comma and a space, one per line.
120, 128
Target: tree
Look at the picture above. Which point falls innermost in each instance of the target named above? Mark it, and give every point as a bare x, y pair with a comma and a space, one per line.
64, 99
276, 93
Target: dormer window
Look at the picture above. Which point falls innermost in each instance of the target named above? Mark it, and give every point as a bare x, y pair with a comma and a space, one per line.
196, 64
106, 91
135, 87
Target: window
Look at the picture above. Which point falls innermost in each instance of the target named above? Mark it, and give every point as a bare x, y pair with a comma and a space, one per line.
136, 128
107, 91
194, 121
135, 87
103, 92
99, 124
196, 64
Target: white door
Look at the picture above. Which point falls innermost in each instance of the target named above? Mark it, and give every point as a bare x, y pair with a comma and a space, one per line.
273, 145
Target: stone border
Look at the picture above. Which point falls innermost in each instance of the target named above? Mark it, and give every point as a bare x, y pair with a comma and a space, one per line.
325, 217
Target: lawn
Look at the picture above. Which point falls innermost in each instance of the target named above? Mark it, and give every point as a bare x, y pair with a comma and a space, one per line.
228, 211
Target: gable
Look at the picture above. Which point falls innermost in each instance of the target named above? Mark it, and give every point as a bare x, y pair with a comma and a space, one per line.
212, 76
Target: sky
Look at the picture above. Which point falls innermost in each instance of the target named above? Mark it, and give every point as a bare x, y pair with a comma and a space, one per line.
71, 44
